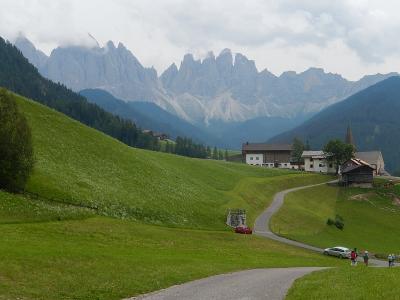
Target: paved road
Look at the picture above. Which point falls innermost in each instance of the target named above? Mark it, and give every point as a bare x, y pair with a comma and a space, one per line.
261, 225
271, 284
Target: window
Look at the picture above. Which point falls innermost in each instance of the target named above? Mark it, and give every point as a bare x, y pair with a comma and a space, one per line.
321, 165
311, 166
251, 157
257, 158
311, 159
330, 165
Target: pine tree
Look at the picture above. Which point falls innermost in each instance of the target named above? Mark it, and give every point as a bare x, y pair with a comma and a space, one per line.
215, 153
209, 153
226, 154
16, 150
220, 155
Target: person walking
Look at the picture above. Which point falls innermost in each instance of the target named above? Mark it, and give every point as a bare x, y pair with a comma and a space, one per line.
353, 257
366, 257
390, 260
393, 259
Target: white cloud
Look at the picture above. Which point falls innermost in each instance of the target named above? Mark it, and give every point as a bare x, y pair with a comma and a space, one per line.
347, 37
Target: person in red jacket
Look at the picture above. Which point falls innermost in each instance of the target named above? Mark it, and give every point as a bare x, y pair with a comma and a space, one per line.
353, 257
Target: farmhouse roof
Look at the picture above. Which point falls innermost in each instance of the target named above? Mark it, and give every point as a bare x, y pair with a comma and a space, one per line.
266, 147
314, 154
371, 157
353, 164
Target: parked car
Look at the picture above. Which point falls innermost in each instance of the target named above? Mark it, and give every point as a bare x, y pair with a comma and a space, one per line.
341, 252
243, 230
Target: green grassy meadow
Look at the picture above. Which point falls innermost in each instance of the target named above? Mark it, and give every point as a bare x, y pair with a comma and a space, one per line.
83, 166
371, 219
105, 258
359, 283
159, 219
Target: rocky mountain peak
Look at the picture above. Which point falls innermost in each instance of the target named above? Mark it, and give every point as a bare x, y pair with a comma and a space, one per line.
35, 56
110, 45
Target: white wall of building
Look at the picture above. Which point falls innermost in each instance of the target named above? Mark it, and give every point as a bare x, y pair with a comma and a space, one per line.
318, 165
255, 159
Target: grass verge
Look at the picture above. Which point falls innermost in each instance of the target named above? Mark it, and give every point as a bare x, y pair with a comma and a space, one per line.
347, 283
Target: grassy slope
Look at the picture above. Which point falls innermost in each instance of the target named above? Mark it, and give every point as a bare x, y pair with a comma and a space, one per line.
371, 224
81, 165
55, 251
104, 258
348, 283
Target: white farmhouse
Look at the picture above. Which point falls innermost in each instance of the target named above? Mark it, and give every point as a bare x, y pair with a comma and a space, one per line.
316, 161
268, 155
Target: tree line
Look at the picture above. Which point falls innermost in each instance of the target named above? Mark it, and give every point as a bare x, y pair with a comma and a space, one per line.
187, 147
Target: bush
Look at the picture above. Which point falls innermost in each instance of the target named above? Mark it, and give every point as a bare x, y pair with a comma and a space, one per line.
16, 151
338, 222
330, 221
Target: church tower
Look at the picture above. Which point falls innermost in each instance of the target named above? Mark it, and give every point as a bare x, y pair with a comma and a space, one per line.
349, 137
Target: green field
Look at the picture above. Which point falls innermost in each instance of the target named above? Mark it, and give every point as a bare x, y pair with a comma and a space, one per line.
105, 258
83, 166
359, 283
158, 218
370, 217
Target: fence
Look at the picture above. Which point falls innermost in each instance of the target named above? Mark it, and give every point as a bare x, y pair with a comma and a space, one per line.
236, 217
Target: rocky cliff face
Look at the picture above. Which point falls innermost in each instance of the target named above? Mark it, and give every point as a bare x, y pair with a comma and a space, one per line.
226, 88
35, 56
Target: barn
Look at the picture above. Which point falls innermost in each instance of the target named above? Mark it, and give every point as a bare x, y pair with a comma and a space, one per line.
357, 172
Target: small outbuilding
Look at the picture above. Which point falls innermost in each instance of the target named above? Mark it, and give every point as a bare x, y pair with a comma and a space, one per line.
357, 172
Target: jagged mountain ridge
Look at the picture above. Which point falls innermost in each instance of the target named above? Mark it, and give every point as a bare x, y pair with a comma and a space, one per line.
226, 88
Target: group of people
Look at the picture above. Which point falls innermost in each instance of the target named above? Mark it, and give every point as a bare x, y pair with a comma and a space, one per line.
354, 255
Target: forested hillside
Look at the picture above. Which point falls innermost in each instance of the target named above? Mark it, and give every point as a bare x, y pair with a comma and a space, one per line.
148, 115
18, 75
374, 118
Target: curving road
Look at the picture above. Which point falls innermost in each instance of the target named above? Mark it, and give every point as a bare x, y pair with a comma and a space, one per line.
271, 284
261, 225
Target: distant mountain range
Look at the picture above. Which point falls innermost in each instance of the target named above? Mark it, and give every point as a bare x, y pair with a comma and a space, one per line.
226, 88
373, 115
222, 99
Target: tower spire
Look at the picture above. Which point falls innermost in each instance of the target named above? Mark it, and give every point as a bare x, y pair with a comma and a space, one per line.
349, 137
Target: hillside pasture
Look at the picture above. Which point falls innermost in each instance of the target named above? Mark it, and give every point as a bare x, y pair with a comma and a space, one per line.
371, 218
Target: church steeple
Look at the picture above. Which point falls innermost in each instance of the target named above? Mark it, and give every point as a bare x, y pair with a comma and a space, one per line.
349, 137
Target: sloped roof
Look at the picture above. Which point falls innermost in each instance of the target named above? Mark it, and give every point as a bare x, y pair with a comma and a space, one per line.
353, 164
314, 154
370, 157
266, 147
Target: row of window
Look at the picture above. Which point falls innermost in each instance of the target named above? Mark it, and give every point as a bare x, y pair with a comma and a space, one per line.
257, 158
321, 166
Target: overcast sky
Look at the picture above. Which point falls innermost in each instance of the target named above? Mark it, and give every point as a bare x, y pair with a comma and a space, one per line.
352, 38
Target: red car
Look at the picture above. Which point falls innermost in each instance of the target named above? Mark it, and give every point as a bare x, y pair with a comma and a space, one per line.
243, 230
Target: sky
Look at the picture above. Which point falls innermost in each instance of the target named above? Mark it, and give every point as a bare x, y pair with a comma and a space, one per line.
352, 38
